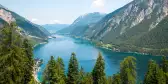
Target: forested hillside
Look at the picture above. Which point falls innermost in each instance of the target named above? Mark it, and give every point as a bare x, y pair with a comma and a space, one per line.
16, 57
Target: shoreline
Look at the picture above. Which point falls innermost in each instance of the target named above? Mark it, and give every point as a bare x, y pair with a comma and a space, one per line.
39, 44
113, 49
36, 69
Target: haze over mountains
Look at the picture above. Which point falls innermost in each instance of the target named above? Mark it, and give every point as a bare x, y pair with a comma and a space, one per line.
53, 28
140, 25
81, 23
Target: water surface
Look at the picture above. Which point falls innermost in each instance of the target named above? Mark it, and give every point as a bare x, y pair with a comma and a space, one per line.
86, 54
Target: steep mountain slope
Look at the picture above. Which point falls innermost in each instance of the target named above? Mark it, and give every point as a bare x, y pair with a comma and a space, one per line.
29, 28
129, 22
139, 26
156, 38
81, 22
52, 28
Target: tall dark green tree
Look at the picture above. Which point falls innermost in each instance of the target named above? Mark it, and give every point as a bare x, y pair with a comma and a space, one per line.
161, 77
60, 71
81, 78
152, 73
88, 79
73, 72
116, 79
98, 72
164, 64
166, 76
109, 80
29, 62
12, 56
128, 70
50, 72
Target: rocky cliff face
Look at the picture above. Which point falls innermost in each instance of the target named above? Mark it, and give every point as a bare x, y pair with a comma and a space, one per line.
135, 18
139, 26
6, 16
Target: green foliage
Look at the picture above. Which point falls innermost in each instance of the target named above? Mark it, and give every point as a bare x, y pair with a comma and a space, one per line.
166, 76
81, 76
128, 70
116, 79
98, 72
164, 64
50, 73
54, 72
60, 71
109, 80
153, 74
14, 57
88, 79
29, 62
73, 72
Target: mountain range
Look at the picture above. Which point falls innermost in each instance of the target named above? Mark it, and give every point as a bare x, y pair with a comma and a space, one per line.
139, 26
82, 23
53, 28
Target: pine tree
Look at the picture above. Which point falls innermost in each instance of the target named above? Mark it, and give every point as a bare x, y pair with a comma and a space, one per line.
128, 70
11, 56
81, 76
151, 75
98, 72
164, 64
50, 73
116, 79
166, 76
88, 79
161, 78
29, 62
109, 80
60, 71
73, 72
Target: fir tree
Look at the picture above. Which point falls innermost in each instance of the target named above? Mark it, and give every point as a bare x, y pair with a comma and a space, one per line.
152, 73
50, 73
11, 56
73, 72
81, 76
88, 79
29, 62
166, 77
60, 71
98, 73
109, 80
128, 70
116, 79
161, 78
164, 64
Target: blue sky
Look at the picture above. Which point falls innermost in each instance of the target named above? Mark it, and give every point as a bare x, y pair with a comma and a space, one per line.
60, 11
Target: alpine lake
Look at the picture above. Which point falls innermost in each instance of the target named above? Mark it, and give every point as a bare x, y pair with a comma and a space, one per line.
87, 54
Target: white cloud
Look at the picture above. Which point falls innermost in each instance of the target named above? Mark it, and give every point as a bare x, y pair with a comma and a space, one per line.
34, 20
98, 3
55, 22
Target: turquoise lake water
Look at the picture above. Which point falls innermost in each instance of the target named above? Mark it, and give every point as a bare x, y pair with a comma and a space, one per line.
86, 54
